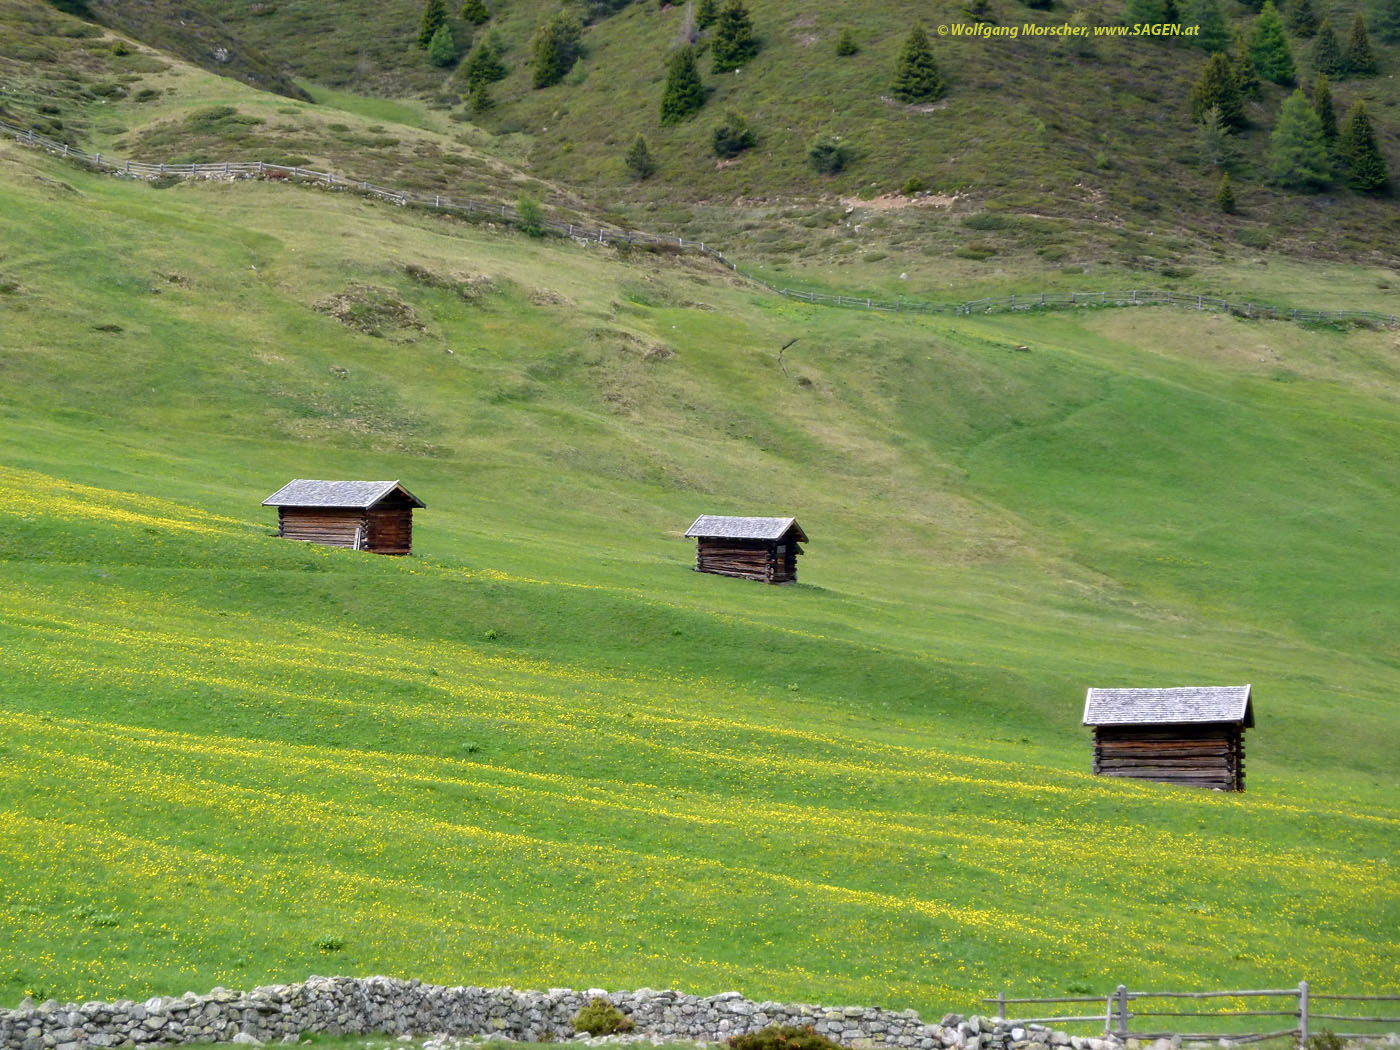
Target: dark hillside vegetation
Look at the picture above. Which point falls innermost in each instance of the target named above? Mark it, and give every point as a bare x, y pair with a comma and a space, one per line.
1093, 138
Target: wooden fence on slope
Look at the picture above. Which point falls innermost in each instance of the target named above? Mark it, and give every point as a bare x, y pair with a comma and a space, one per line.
635, 238
1116, 1014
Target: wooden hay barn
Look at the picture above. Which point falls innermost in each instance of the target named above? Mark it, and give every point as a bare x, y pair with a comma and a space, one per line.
763, 549
362, 515
1191, 736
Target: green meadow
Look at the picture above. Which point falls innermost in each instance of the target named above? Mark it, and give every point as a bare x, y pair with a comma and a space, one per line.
542, 751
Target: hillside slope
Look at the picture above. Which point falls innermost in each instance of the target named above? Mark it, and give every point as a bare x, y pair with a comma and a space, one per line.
1092, 148
542, 751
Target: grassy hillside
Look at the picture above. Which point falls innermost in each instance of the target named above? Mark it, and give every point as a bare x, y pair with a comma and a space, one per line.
1090, 152
543, 751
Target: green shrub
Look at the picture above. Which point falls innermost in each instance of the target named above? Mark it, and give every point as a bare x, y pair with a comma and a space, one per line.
828, 155
601, 1017
733, 136
531, 216
783, 1037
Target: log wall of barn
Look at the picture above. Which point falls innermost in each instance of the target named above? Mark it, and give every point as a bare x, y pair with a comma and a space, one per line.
1210, 755
325, 525
747, 559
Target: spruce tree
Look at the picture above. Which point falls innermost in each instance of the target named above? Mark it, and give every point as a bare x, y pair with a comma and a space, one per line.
442, 50
1361, 154
1243, 67
1301, 18
733, 136
1327, 54
555, 48
1360, 60
479, 97
1217, 89
1225, 196
1322, 106
846, 43
1386, 20
638, 160
916, 78
1145, 12
734, 42
1212, 34
484, 65
1213, 137
706, 14
683, 93
1269, 47
1297, 151
434, 18
474, 11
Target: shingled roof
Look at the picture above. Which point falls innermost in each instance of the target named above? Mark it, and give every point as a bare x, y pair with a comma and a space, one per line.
352, 495
1177, 706
718, 527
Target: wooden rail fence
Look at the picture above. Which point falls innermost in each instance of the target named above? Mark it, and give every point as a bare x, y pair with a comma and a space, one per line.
1117, 1014
635, 238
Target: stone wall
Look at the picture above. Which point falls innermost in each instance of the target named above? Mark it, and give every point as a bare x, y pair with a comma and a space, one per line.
346, 1005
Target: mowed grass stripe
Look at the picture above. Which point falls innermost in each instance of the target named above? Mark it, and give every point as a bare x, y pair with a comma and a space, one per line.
1317, 876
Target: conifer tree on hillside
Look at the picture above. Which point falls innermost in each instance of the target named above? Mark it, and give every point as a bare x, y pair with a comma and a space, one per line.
733, 135
1212, 34
1243, 67
1297, 150
1225, 196
683, 93
916, 77
846, 43
1217, 89
1301, 18
640, 164
1386, 20
474, 11
1326, 52
484, 65
706, 14
1269, 47
1213, 137
1323, 107
734, 42
1360, 60
1145, 12
1361, 153
442, 50
479, 97
555, 48
434, 18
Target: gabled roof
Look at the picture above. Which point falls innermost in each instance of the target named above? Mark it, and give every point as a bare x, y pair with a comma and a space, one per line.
717, 527
1178, 706
352, 495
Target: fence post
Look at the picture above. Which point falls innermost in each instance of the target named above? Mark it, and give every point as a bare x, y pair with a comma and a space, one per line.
1122, 995
1001, 1006
1302, 1013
